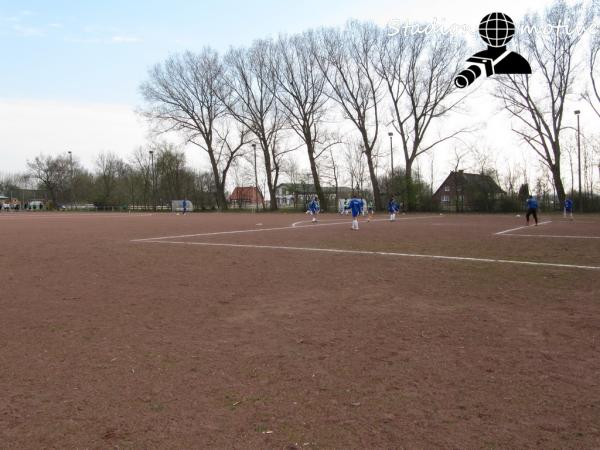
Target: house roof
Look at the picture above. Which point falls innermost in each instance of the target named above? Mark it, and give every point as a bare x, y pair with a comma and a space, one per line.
473, 180
249, 194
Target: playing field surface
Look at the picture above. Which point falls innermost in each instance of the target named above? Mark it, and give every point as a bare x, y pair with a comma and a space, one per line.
266, 331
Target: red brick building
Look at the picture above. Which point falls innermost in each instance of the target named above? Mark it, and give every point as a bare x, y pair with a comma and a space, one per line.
246, 197
462, 191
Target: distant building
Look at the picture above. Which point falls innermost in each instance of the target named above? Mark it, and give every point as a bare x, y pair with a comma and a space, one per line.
246, 197
462, 191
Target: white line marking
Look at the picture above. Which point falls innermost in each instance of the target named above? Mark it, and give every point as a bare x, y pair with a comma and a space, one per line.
310, 221
365, 252
520, 228
295, 224
255, 230
68, 216
553, 236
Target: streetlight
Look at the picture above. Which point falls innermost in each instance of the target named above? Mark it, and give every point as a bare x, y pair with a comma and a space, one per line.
255, 180
71, 167
153, 180
577, 112
391, 135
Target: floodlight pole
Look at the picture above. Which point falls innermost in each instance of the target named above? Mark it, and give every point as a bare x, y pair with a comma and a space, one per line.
255, 180
153, 180
577, 112
391, 135
71, 172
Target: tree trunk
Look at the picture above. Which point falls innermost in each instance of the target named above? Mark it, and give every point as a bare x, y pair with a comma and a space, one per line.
268, 168
374, 183
558, 184
315, 174
409, 201
219, 184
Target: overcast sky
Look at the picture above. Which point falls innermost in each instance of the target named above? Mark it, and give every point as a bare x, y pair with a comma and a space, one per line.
70, 70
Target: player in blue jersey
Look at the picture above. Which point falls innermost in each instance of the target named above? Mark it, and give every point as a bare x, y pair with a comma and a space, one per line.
355, 206
314, 208
569, 208
532, 207
393, 209
184, 207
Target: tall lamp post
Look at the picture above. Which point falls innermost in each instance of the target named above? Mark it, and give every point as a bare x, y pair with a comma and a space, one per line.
153, 180
391, 135
255, 180
71, 173
577, 112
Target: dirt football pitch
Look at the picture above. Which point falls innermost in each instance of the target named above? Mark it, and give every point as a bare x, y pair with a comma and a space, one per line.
264, 331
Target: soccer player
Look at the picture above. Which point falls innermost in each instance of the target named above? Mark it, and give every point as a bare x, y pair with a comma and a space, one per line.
346, 206
392, 209
355, 206
569, 208
184, 206
314, 208
532, 206
370, 209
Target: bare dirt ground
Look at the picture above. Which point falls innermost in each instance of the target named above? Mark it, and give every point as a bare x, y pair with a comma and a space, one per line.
249, 340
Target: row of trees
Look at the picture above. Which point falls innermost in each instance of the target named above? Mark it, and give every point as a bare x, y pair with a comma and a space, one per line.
329, 86
284, 94
136, 182
142, 180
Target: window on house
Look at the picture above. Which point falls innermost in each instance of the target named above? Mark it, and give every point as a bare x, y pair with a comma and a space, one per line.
445, 199
447, 188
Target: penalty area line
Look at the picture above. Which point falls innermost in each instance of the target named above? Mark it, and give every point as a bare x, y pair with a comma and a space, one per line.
374, 253
258, 230
520, 228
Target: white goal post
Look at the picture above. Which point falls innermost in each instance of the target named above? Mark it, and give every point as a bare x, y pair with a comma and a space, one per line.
177, 205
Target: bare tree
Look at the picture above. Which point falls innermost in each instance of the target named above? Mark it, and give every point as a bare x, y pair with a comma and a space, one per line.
346, 60
186, 94
251, 99
110, 168
593, 97
538, 101
354, 156
418, 72
53, 173
302, 96
331, 171
142, 162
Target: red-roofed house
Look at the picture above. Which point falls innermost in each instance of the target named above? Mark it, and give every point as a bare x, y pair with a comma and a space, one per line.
246, 197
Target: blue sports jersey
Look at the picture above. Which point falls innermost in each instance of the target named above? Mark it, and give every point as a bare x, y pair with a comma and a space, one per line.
532, 203
356, 206
568, 204
313, 206
393, 206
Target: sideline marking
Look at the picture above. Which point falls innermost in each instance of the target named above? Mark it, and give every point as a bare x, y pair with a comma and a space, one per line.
553, 236
520, 228
366, 252
69, 216
258, 230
